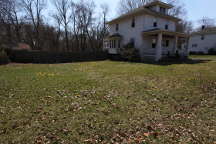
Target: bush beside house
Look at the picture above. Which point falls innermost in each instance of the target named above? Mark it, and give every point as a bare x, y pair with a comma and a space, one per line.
25, 56
3, 57
212, 51
130, 53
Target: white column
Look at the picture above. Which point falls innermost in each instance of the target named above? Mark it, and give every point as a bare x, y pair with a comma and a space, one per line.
176, 45
158, 55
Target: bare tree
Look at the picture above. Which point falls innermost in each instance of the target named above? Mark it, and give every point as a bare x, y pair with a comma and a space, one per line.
105, 10
64, 15
178, 9
10, 19
58, 21
206, 22
5, 25
84, 22
34, 13
128, 5
76, 26
16, 19
185, 26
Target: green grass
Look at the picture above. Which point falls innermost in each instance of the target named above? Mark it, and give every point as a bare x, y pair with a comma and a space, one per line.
108, 102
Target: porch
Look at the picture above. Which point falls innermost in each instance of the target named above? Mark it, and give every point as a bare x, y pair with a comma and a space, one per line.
164, 43
113, 44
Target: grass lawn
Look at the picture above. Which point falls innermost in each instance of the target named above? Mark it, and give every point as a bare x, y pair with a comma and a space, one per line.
109, 102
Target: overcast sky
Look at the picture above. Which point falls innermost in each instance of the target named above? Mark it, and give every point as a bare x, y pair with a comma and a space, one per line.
196, 9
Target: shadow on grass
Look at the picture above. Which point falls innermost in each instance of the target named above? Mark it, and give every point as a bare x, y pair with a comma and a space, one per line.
184, 61
172, 61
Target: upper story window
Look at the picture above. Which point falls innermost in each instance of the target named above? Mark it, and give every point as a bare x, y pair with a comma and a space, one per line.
167, 43
155, 24
162, 10
194, 45
133, 23
153, 43
166, 26
132, 42
117, 27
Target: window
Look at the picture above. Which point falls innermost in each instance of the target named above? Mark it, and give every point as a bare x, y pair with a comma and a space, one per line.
132, 42
153, 43
194, 45
112, 44
155, 24
117, 27
166, 26
202, 37
119, 44
162, 10
167, 43
106, 44
133, 23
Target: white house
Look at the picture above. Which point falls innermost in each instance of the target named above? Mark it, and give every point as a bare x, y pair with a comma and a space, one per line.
151, 29
203, 40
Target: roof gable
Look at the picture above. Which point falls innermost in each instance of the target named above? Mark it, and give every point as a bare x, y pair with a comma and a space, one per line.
140, 11
162, 4
211, 30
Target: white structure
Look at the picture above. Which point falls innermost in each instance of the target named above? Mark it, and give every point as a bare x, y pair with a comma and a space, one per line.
202, 41
150, 29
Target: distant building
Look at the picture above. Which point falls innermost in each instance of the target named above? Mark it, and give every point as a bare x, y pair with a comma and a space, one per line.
150, 29
202, 41
22, 46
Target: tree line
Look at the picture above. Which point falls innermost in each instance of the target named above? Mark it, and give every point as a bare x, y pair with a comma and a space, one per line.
75, 27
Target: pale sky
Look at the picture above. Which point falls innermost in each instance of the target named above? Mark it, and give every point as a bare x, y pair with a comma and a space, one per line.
196, 9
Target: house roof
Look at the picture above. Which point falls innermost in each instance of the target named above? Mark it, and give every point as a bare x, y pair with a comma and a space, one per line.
144, 10
165, 32
210, 30
115, 35
165, 5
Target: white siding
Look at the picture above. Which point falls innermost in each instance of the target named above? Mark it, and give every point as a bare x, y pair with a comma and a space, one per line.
202, 45
149, 20
128, 32
142, 23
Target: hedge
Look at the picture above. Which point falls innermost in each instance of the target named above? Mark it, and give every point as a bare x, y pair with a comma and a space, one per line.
3, 57
212, 51
23, 56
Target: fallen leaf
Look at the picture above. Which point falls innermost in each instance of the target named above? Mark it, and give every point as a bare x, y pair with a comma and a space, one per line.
147, 134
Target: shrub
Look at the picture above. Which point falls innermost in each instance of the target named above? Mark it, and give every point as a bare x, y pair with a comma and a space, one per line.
3, 57
197, 53
130, 53
23, 56
212, 51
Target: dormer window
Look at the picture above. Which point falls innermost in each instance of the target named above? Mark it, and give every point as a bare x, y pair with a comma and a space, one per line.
162, 10
155, 24
133, 23
132, 42
166, 26
202, 37
117, 27
153, 43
